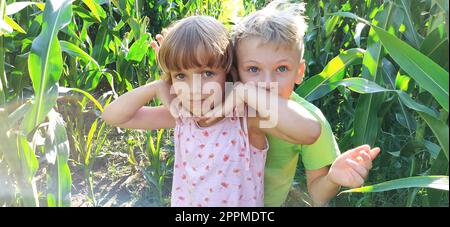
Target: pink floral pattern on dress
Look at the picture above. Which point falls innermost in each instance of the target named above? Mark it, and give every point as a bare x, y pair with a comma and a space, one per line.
214, 166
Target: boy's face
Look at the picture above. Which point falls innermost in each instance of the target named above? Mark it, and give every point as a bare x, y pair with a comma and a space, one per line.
258, 62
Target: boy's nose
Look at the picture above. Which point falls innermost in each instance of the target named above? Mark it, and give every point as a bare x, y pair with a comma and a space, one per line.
266, 83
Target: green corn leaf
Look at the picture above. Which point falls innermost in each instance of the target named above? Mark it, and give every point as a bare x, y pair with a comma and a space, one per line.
438, 127
366, 124
435, 46
59, 179
440, 130
75, 51
102, 39
96, 9
436, 182
28, 168
422, 69
410, 32
89, 142
45, 61
439, 167
5, 28
18, 6
139, 49
89, 96
311, 89
14, 25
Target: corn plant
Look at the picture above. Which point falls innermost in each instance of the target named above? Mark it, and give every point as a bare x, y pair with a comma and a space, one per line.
401, 71
87, 136
377, 69
45, 66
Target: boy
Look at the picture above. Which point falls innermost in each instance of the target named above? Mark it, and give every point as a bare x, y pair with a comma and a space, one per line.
269, 47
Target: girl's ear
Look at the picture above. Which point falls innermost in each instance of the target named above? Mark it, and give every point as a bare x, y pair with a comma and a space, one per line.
300, 73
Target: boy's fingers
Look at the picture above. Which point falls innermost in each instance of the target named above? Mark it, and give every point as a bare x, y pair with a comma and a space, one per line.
355, 151
366, 160
374, 152
365, 156
357, 168
212, 114
357, 179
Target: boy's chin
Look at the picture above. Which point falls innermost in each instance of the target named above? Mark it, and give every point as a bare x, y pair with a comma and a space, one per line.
286, 93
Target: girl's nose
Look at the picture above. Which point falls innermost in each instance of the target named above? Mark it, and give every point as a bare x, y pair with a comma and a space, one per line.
196, 85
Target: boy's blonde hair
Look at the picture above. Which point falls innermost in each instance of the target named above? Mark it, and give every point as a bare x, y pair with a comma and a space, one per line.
280, 22
196, 41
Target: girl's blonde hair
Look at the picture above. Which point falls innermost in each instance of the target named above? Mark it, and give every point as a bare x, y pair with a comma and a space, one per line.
196, 41
280, 22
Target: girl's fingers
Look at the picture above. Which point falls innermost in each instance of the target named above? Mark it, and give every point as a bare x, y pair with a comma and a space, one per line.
357, 168
155, 46
160, 38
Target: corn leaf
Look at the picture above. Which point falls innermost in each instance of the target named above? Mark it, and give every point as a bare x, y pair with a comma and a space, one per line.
59, 179
45, 61
436, 182
422, 69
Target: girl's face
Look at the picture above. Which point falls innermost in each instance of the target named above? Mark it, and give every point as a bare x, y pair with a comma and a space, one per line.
199, 89
268, 63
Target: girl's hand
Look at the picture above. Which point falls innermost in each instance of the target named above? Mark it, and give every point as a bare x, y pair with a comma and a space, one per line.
157, 44
351, 168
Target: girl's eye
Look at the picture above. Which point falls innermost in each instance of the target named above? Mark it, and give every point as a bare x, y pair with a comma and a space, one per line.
282, 69
253, 69
208, 74
179, 76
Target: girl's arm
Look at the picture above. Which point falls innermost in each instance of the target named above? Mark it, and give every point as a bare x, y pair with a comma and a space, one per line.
129, 110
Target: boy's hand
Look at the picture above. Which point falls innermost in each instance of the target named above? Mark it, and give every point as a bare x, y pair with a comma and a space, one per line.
228, 106
351, 168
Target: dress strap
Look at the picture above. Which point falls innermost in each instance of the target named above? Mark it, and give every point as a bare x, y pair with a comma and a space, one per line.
244, 128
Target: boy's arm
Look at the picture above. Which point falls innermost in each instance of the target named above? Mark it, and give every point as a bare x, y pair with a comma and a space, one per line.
293, 122
129, 109
350, 169
320, 188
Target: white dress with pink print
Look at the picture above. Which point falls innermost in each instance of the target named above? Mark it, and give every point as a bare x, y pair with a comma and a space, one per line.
216, 166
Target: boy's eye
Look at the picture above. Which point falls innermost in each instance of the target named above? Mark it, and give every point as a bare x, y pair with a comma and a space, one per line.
208, 74
180, 76
282, 69
253, 69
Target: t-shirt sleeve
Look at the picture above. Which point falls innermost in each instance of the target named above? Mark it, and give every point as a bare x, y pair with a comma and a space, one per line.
325, 150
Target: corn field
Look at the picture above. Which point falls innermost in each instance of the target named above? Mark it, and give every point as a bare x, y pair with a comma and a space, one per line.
378, 70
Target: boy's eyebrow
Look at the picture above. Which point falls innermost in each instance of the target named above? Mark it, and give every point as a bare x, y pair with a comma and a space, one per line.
253, 61
282, 60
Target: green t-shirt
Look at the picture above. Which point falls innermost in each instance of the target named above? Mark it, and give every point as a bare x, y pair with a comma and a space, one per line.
282, 157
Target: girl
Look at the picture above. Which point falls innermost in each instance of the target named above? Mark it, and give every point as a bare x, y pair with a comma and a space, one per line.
218, 162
